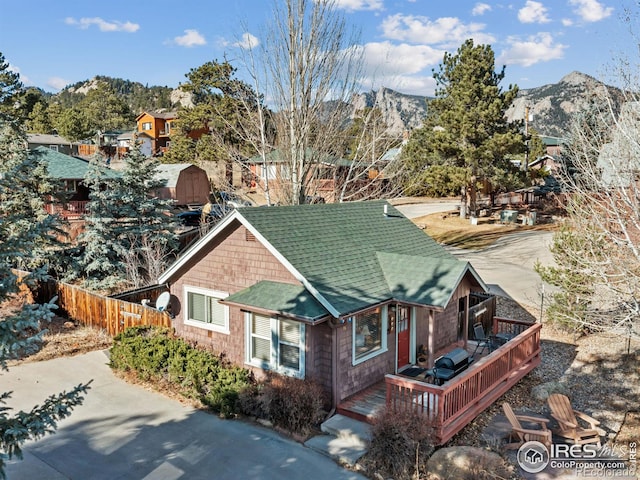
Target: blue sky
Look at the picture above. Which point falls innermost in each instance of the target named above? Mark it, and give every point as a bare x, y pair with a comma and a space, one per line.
53, 44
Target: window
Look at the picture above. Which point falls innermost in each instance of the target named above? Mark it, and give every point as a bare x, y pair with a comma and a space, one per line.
368, 337
275, 344
53, 147
146, 126
205, 311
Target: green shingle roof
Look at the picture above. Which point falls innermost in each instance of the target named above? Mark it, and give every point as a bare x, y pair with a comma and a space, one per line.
65, 167
348, 256
336, 247
284, 298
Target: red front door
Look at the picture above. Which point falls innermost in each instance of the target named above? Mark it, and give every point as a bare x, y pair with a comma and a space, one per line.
402, 325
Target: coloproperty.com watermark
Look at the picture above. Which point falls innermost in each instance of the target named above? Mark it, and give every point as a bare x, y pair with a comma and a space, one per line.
588, 461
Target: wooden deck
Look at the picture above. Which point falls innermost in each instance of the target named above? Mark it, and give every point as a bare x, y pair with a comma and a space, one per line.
452, 406
366, 404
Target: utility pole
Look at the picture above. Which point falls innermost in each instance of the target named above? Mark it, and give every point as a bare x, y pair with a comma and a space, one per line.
525, 167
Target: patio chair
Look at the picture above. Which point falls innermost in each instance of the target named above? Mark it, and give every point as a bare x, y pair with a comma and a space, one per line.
482, 341
542, 435
568, 426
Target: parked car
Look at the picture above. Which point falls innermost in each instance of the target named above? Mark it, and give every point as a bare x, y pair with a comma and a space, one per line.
193, 218
234, 200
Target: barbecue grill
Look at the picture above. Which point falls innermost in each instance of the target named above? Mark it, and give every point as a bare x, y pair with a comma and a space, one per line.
449, 365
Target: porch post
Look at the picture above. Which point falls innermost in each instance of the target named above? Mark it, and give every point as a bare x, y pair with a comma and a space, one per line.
430, 341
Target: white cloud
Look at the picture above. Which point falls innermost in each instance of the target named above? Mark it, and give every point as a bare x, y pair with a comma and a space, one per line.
447, 31
191, 38
399, 67
590, 10
355, 5
247, 41
23, 78
567, 22
480, 9
535, 49
104, 26
533, 12
57, 83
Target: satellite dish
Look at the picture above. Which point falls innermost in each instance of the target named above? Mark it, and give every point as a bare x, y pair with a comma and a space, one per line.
162, 302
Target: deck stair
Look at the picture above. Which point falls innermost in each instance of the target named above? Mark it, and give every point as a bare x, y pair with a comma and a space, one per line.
345, 440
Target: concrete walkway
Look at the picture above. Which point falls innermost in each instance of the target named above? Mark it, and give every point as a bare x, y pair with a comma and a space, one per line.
123, 431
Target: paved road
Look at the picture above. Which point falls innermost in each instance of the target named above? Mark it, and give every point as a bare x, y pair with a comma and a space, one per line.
507, 265
123, 431
414, 210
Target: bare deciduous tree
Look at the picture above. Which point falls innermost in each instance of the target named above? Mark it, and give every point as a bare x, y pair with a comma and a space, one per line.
598, 254
308, 71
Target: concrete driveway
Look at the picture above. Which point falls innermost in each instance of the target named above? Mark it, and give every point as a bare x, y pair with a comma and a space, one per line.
124, 431
507, 265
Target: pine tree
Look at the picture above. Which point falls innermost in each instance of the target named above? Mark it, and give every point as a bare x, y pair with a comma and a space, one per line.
129, 233
466, 124
25, 228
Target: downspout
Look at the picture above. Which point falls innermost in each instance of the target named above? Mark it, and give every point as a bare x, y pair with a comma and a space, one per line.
334, 369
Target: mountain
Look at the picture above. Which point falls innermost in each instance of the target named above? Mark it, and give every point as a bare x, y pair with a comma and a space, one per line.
139, 97
400, 112
550, 106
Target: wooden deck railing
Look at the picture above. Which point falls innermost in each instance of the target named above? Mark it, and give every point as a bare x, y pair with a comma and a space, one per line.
71, 209
99, 311
450, 407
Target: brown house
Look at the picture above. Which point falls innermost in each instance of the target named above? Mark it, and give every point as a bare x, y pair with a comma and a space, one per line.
339, 293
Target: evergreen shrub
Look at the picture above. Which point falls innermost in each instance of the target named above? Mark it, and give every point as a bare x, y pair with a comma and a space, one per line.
156, 354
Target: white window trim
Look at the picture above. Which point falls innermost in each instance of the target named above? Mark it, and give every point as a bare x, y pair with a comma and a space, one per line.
272, 365
197, 323
383, 344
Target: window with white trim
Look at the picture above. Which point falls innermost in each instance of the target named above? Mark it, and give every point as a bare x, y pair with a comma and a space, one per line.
146, 126
276, 344
203, 309
369, 334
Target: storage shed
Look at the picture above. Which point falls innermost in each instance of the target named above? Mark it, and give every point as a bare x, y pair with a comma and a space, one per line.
186, 184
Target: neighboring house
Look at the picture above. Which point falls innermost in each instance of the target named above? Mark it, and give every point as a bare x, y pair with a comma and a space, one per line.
324, 175
53, 142
71, 171
342, 294
553, 145
157, 126
186, 184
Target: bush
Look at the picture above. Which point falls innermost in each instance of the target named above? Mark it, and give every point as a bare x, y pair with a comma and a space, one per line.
401, 443
290, 403
154, 353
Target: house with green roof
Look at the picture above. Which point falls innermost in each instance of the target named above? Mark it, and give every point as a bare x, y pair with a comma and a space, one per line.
70, 171
343, 294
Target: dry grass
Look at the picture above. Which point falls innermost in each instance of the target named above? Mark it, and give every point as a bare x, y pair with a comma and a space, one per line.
453, 230
61, 337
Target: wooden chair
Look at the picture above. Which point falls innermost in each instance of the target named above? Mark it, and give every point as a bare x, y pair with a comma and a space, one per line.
568, 426
542, 435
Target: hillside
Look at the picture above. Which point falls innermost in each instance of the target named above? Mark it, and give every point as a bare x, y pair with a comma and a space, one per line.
550, 105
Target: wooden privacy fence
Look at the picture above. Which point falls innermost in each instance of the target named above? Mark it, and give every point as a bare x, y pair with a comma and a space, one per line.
450, 407
91, 309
